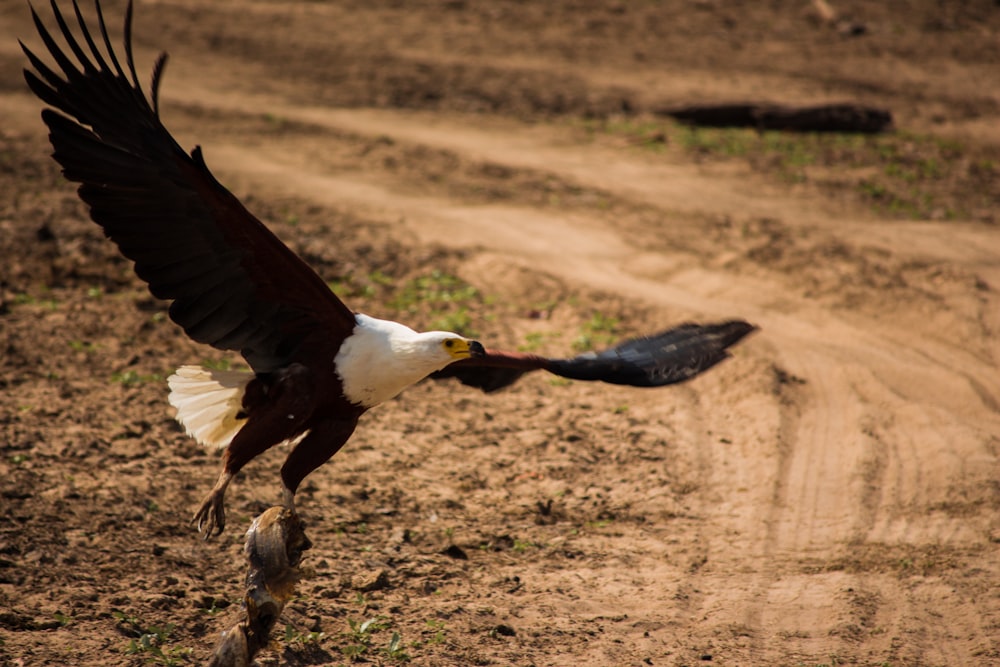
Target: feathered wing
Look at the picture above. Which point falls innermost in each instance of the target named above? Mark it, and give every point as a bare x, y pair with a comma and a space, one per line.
234, 285
209, 403
668, 357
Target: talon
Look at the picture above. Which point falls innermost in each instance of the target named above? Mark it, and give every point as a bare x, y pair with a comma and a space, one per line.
211, 516
210, 519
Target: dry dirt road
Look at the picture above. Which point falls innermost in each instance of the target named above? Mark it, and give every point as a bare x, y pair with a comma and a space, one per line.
827, 497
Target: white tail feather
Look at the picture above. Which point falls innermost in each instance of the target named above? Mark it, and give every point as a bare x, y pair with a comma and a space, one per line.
208, 402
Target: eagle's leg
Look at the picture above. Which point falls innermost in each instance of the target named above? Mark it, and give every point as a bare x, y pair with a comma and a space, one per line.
211, 516
288, 498
278, 411
322, 442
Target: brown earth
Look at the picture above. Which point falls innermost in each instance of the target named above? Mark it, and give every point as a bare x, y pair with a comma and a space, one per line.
829, 496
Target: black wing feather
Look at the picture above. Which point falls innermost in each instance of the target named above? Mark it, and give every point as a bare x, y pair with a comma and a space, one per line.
234, 285
654, 361
668, 357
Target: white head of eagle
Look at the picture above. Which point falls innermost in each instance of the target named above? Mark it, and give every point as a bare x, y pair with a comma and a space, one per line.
381, 358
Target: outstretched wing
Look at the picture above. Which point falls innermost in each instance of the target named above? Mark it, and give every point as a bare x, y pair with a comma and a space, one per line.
234, 285
668, 357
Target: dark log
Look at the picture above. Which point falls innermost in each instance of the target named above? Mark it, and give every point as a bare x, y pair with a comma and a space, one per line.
764, 116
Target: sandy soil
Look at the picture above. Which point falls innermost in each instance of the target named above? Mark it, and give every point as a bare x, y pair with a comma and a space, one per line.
829, 496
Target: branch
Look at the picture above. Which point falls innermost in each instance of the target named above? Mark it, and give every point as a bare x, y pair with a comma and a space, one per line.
274, 547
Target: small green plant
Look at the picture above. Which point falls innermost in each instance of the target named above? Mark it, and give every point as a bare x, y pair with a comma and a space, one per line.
362, 630
436, 287
599, 331
125, 619
534, 340
360, 636
275, 120
521, 546
646, 134
348, 287
395, 648
223, 364
25, 299
214, 609
459, 321
132, 378
151, 641
294, 636
727, 142
446, 298
381, 278
437, 628
149, 644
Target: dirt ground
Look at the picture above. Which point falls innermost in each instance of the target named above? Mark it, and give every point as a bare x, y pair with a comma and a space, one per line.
829, 496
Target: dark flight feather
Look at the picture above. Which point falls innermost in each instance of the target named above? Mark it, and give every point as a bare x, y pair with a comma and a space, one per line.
668, 357
234, 285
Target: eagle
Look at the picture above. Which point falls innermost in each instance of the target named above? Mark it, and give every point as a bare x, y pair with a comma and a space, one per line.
315, 365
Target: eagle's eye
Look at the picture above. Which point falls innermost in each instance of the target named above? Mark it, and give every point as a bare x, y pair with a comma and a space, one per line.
449, 343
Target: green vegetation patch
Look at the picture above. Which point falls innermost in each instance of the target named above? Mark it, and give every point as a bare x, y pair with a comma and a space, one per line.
901, 174
444, 301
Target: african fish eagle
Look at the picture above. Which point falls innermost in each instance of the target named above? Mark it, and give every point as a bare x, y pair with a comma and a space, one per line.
317, 366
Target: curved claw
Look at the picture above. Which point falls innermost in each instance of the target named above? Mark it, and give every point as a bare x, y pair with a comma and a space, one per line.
210, 519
